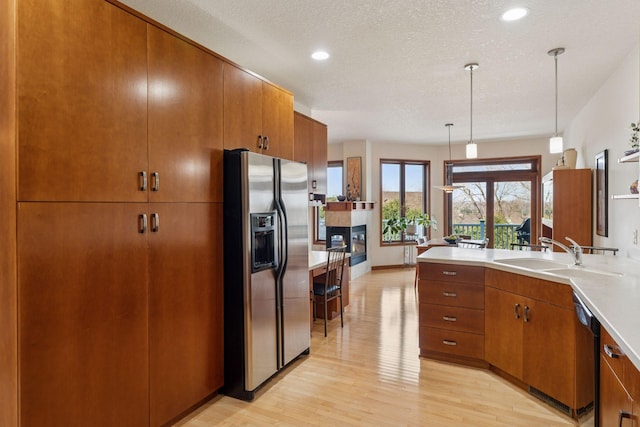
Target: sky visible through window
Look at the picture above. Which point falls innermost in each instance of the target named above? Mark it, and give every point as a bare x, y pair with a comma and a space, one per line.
391, 178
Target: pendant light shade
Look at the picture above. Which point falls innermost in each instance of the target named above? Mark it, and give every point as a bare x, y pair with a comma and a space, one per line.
448, 186
472, 147
555, 142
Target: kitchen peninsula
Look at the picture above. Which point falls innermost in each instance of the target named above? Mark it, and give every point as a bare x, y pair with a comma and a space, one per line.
512, 312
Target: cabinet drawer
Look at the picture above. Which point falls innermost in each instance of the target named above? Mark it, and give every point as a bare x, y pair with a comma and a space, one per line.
453, 294
452, 273
621, 365
453, 318
452, 342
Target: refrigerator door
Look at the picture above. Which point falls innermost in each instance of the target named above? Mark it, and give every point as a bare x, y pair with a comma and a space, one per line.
260, 337
294, 308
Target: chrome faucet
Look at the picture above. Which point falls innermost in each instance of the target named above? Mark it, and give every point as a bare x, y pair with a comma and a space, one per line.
575, 249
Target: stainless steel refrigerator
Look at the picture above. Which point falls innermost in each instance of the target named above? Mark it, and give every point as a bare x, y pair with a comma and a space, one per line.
266, 266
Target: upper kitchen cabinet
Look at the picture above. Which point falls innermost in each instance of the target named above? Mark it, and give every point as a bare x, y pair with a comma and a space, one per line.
257, 115
185, 121
82, 102
567, 210
310, 146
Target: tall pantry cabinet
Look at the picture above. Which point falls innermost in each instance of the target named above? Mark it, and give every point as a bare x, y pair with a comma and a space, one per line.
111, 217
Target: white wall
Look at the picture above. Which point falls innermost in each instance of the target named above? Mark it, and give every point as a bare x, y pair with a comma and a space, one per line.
603, 123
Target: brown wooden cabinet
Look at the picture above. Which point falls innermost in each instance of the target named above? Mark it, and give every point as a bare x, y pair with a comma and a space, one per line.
118, 284
451, 312
82, 102
619, 385
532, 334
185, 121
257, 115
310, 147
567, 206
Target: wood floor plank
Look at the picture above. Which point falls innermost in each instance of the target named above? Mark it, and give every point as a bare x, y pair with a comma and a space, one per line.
369, 373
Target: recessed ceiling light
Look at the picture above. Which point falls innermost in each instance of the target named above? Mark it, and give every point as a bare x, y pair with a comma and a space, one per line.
514, 14
320, 55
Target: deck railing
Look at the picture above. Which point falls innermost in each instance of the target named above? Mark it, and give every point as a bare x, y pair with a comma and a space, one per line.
503, 234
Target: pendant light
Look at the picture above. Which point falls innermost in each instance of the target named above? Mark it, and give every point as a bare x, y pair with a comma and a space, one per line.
555, 142
448, 186
472, 147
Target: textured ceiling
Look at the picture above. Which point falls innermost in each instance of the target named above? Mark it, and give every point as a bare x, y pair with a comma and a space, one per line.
396, 71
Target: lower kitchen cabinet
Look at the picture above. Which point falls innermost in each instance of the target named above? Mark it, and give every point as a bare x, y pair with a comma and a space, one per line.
619, 386
185, 307
119, 325
532, 335
83, 313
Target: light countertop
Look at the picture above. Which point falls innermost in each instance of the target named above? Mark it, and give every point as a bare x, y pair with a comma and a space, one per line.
613, 299
318, 259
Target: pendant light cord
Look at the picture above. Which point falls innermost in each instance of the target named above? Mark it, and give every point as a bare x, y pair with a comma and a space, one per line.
555, 58
471, 121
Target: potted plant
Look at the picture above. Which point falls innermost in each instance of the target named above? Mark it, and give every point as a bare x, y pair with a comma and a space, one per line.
393, 226
415, 220
635, 139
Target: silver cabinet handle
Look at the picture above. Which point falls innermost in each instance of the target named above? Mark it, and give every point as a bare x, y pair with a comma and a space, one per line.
449, 273
156, 181
142, 223
448, 342
517, 309
143, 181
450, 294
155, 222
266, 142
623, 415
526, 313
610, 350
449, 318
260, 142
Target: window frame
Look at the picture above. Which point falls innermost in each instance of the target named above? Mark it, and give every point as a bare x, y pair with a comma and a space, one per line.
426, 196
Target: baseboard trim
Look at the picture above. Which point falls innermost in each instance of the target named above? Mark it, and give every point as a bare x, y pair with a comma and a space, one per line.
393, 267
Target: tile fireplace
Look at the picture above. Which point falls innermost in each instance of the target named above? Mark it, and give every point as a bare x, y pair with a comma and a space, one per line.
354, 237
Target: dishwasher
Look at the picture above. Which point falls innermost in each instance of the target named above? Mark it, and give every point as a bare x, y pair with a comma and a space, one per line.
589, 321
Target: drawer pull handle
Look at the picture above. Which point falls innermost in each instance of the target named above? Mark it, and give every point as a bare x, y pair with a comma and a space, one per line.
156, 181
143, 181
449, 318
526, 313
610, 350
447, 342
450, 294
142, 223
517, 309
622, 415
449, 273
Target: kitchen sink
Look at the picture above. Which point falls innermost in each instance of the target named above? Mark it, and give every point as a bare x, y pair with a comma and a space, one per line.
532, 263
583, 273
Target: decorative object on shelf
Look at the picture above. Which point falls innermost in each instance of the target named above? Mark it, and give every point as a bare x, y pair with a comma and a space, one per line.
448, 186
451, 239
342, 198
602, 194
629, 152
555, 142
634, 187
569, 158
635, 129
472, 147
354, 178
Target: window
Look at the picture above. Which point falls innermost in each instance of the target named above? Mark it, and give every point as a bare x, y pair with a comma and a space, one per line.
334, 189
404, 187
496, 200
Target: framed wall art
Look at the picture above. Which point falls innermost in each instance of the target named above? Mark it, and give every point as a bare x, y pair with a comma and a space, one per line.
602, 194
354, 178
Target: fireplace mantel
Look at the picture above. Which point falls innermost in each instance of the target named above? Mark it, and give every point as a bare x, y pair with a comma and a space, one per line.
349, 206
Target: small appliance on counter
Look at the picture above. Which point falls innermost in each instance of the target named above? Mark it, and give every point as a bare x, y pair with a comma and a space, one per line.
266, 268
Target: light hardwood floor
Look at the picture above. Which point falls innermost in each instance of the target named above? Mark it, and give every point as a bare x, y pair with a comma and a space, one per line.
369, 373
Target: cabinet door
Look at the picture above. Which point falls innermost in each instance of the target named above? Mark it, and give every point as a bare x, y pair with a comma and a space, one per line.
303, 140
614, 399
503, 330
320, 157
185, 121
186, 302
242, 109
82, 102
549, 350
83, 301
277, 121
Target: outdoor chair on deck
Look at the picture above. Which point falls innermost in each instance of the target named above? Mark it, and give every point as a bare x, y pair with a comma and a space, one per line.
523, 231
330, 288
477, 244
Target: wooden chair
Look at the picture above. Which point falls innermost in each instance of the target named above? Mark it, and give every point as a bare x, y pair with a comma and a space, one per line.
528, 247
330, 288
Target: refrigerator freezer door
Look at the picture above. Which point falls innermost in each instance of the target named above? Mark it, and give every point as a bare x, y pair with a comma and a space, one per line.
295, 287
261, 350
